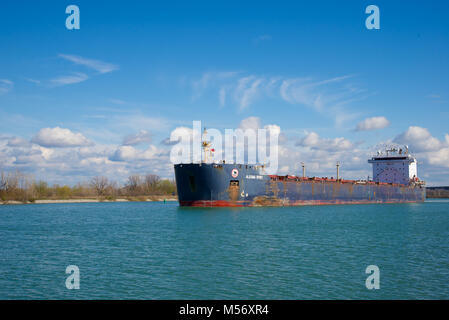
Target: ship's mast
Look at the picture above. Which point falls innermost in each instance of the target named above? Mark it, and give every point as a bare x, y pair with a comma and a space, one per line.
206, 146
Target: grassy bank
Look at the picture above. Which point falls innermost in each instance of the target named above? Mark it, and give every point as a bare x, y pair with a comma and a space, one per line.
87, 200
16, 187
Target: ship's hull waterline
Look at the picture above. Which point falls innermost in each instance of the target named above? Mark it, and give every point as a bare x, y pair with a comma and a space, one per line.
233, 185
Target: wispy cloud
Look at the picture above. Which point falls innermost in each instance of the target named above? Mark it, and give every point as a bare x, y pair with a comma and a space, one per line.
33, 80
247, 91
210, 79
436, 98
76, 77
97, 65
316, 94
5, 86
117, 101
222, 96
264, 37
6, 81
330, 96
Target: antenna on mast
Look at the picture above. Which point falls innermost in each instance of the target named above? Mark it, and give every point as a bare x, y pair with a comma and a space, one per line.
206, 146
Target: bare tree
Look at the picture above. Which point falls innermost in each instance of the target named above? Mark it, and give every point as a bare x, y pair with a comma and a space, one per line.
100, 184
112, 189
3, 181
151, 182
12, 181
16, 186
133, 184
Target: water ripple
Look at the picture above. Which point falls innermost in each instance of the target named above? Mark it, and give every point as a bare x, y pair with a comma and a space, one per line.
161, 251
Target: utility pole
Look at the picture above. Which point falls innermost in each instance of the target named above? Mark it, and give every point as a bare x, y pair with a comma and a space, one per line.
338, 170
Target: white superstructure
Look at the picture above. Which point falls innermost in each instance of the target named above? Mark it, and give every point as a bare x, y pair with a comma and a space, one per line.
394, 165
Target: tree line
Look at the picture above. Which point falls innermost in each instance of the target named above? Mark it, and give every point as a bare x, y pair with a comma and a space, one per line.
437, 192
17, 186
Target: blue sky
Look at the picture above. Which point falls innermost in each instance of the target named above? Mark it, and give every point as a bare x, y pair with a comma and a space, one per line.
136, 71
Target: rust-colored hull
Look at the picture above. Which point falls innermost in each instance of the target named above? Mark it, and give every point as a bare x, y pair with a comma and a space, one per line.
213, 185
225, 203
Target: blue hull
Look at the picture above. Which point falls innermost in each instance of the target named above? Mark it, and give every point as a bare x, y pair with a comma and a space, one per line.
214, 185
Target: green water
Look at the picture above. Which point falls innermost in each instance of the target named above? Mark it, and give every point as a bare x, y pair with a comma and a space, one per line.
161, 251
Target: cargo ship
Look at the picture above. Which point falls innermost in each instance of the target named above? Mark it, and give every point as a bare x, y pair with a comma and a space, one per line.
221, 184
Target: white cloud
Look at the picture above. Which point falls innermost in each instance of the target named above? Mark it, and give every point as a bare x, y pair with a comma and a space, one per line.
314, 141
184, 132
373, 123
45, 152
17, 142
250, 123
184, 135
254, 123
96, 151
273, 129
431, 152
76, 77
5, 86
124, 153
419, 139
100, 66
440, 158
142, 136
310, 140
129, 153
152, 152
72, 165
96, 161
80, 164
59, 138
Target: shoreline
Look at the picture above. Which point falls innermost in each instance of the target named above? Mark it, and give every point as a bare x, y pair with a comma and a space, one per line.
86, 200
47, 201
